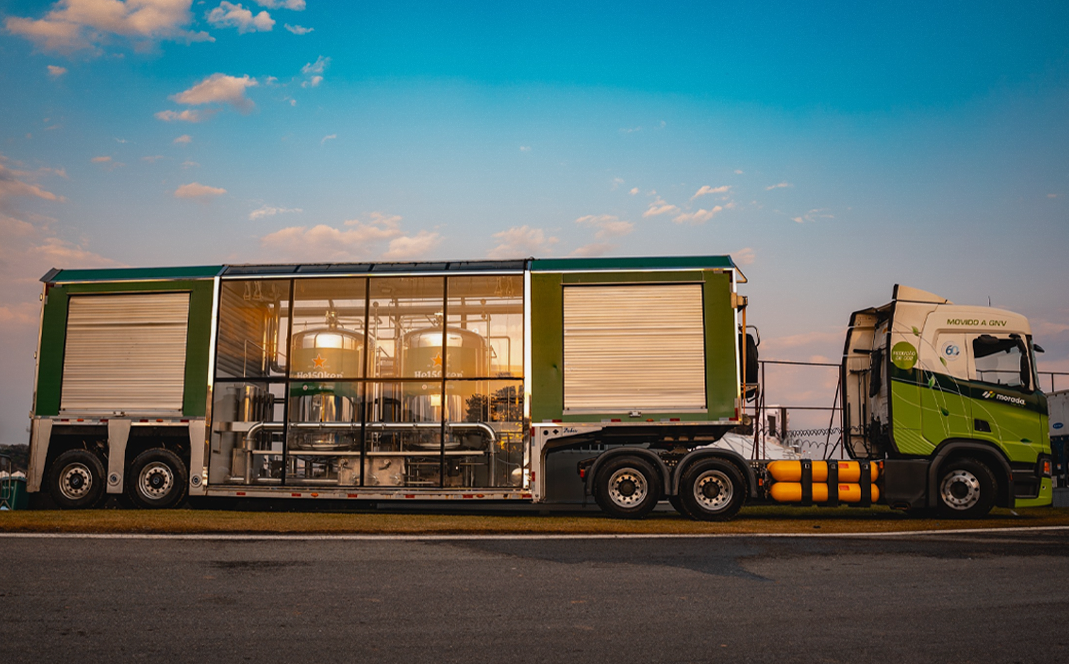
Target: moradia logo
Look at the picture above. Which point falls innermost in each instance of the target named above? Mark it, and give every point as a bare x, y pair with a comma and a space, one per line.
990, 394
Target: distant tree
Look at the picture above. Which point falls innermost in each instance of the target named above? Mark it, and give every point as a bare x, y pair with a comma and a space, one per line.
504, 405
19, 455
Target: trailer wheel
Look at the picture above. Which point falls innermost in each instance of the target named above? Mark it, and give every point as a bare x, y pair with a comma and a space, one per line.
627, 488
966, 489
157, 479
677, 504
712, 490
76, 480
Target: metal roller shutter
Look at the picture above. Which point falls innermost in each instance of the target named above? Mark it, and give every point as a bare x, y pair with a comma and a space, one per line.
125, 353
635, 347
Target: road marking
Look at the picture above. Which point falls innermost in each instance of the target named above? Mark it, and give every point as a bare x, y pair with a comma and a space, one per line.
368, 537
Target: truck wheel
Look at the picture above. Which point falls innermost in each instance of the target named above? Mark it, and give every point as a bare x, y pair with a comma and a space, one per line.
627, 488
966, 489
677, 504
157, 478
76, 480
712, 490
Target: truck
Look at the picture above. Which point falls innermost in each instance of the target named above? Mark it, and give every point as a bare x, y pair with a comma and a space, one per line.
471, 381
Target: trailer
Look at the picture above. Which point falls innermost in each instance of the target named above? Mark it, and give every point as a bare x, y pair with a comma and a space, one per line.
471, 381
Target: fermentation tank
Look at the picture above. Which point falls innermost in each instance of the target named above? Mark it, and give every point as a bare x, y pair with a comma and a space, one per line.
466, 355
320, 356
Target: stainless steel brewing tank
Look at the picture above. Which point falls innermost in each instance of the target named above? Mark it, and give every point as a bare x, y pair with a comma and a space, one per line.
463, 354
317, 356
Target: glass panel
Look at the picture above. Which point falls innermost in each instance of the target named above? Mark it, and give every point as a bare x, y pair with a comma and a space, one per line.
485, 327
247, 433
324, 433
406, 313
484, 433
253, 327
328, 329
404, 434
999, 360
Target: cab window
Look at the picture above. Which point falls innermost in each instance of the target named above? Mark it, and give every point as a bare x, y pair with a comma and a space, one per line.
1001, 361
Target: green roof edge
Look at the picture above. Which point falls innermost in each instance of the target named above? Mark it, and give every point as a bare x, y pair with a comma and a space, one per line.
133, 274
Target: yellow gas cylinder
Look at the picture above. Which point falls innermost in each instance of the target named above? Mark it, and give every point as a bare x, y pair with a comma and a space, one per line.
791, 492
791, 471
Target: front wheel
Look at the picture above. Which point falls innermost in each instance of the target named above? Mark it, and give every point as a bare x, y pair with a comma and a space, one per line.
76, 480
627, 488
712, 490
157, 479
966, 489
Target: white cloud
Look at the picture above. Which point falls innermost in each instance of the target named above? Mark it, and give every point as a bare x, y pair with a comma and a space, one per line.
1053, 195
229, 15
197, 190
188, 115
15, 184
183, 139
813, 215
295, 5
608, 225
219, 88
634, 191
520, 242
77, 25
744, 256
100, 160
190, 164
738, 171
525, 148
410, 248
593, 249
268, 211
357, 239
329, 137
781, 185
699, 217
659, 207
56, 72
153, 158
298, 30
314, 72
706, 190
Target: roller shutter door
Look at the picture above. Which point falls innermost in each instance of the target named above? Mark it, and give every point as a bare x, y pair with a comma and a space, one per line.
125, 353
635, 347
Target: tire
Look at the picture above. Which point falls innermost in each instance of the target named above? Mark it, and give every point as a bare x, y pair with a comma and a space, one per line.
712, 490
76, 480
627, 487
966, 489
156, 479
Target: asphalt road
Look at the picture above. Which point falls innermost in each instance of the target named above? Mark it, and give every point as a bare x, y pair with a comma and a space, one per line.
991, 597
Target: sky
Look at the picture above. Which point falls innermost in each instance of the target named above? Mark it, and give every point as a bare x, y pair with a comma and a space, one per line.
833, 149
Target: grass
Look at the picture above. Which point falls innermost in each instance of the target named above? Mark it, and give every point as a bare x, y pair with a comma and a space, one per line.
751, 520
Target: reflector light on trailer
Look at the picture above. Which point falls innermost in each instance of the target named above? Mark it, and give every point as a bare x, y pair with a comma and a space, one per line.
240, 493
295, 495
315, 495
410, 495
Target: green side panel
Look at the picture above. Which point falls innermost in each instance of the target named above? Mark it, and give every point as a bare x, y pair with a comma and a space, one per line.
547, 338
929, 408
721, 341
137, 274
648, 263
1045, 497
198, 345
906, 419
54, 332
50, 362
547, 347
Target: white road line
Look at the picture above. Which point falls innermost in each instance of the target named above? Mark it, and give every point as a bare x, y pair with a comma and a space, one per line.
366, 537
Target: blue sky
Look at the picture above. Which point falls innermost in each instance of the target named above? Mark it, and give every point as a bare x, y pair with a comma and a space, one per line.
834, 149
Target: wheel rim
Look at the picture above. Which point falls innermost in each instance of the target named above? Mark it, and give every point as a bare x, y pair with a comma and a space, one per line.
155, 480
628, 487
76, 481
960, 489
713, 490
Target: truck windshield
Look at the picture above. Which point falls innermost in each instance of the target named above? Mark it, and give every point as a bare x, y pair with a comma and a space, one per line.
1002, 361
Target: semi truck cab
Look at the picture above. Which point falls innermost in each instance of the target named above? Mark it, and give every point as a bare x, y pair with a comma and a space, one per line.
947, 397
